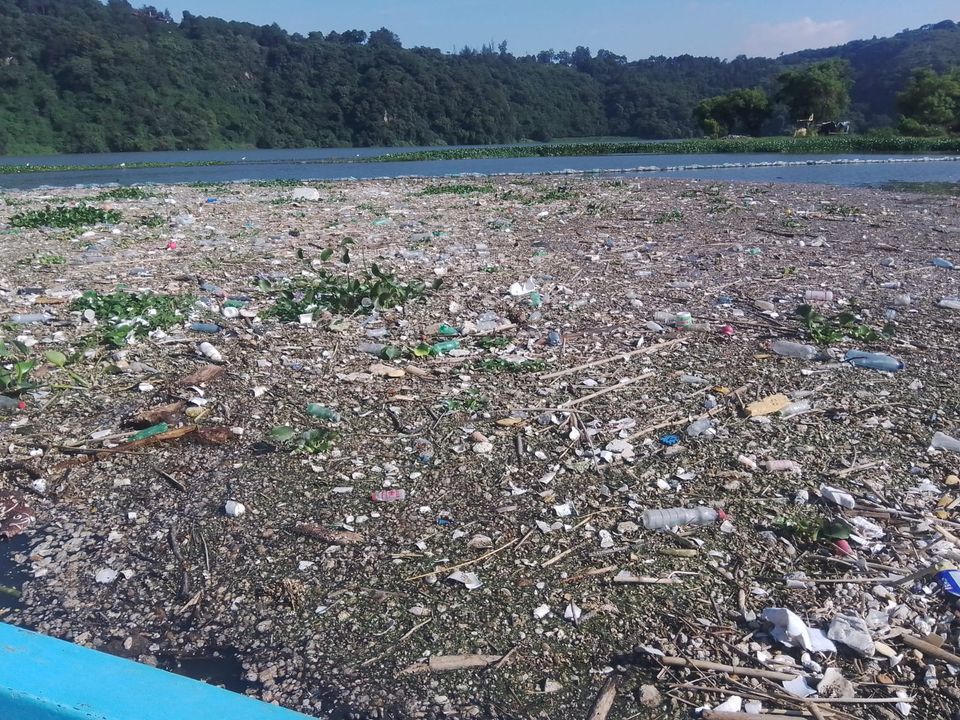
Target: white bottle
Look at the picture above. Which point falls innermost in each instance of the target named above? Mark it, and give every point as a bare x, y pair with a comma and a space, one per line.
673, 517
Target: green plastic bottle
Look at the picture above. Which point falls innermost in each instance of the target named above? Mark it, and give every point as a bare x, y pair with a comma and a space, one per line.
149, 432
321, 411
448, 330
536, 300
444, 347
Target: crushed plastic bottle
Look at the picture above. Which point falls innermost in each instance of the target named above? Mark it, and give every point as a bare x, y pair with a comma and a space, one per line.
372, 348
674, 517
321, 411
795, 408
942, 441
873, 361
388, 496
891, 285
8, 404
424, 450
699, 427
943, 263
950, 303
818, 295
794, 350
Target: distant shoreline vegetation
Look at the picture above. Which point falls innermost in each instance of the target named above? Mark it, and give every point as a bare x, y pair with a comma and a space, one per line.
839, 145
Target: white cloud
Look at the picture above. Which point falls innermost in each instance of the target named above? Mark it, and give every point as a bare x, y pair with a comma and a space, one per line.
771, 39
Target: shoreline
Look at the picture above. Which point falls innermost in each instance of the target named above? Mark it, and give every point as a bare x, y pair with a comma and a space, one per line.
331, 620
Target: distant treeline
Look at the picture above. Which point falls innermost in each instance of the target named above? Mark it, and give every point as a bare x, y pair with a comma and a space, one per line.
82, 76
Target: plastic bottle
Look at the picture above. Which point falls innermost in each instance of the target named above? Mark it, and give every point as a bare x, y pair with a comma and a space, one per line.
536, 300
150, 432
391, 495
424, 450
902, 300
683, 320
372, 348
795, 408
30, 318
673, 517
205, 327
942, 441
667, 318
447, 330
824, 295
873, 361
794, 350
950, 303
943, 263
8, 404
322, 412
892, 285
444, 347
210, 352
699, 427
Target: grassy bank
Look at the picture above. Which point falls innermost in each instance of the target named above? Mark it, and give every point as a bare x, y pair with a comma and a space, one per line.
836, 144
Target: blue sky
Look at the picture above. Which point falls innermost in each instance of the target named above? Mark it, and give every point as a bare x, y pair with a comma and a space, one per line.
635, 28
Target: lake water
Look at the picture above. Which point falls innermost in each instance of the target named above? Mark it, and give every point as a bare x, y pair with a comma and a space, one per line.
333, 164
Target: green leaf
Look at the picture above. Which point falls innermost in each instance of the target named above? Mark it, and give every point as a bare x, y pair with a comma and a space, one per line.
282, 434
264, 284
326, 254
55, 357
345, 257
300, 255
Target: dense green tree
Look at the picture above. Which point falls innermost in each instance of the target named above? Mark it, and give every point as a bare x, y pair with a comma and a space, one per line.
821, 90
930, 103
742, 111
89, 75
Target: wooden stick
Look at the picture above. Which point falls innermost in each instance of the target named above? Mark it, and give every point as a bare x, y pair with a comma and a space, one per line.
593, 572
446, 663
612, 388
929, 649
731, 669
622, 356
463, 564
604, 702
860, 701
561, 556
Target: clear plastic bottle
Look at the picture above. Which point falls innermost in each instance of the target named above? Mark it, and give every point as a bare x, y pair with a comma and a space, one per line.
950, 303
794, 350
666, 318
30, 318
699, 427
795, 408
8, 404
822, 295
873, 361
673, 517
891, 285
902, 300
942, 441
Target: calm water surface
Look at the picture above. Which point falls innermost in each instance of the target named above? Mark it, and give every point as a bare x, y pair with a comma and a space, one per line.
332, 164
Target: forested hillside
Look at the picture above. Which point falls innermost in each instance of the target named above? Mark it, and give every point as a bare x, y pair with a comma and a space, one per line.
81, 76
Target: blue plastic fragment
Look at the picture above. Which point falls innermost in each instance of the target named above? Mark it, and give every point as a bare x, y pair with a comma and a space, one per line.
950, 581
669, 440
